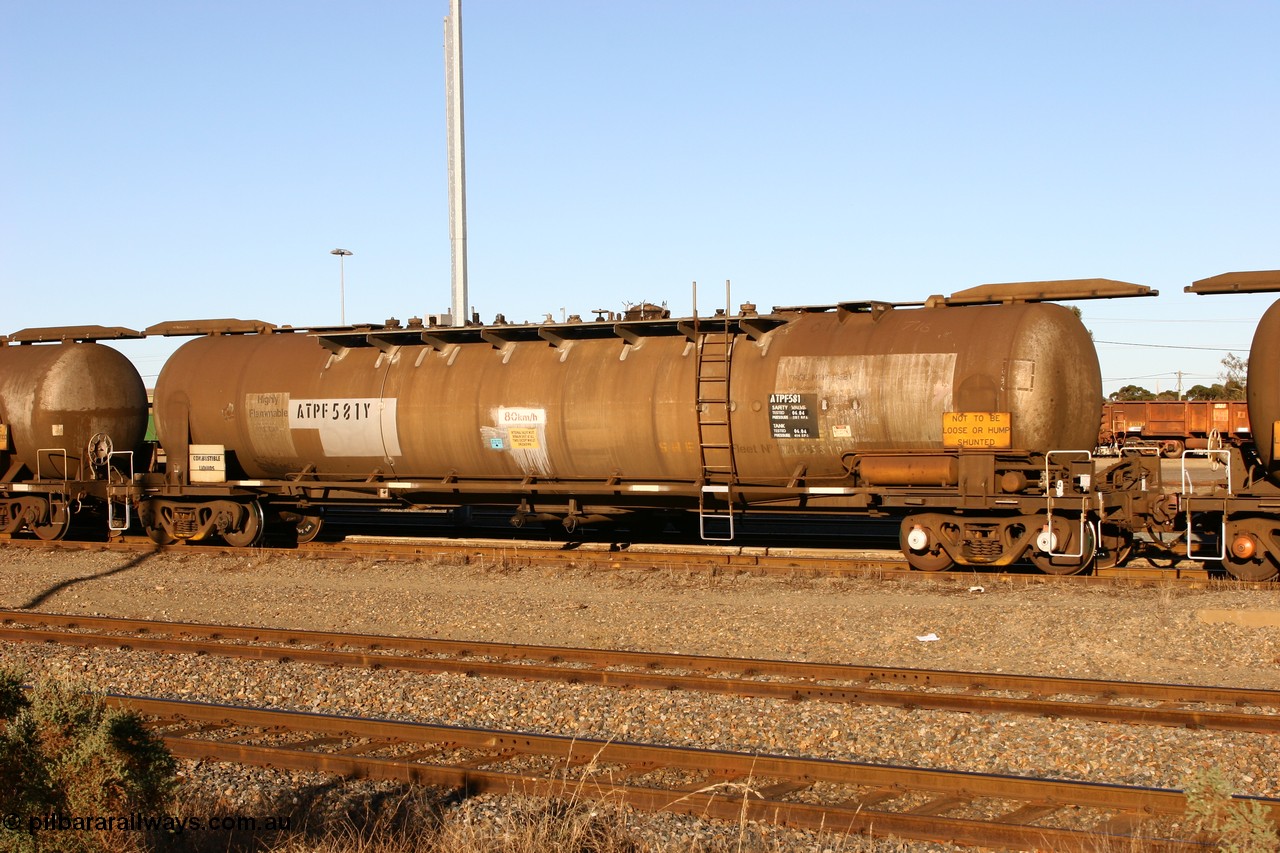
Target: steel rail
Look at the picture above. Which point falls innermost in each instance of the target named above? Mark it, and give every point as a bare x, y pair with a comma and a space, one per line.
757, 559
828, 682
760, 560
933, 805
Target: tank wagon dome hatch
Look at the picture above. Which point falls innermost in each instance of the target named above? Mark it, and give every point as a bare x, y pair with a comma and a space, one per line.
632, 325
1255, 281
1066, 290
392, 334
227, 326
80, 334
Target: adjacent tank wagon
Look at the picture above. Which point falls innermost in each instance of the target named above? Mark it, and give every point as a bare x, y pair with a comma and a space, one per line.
71, 411
1236, 519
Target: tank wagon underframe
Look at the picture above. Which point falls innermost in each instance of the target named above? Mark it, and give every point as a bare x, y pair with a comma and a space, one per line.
615, 497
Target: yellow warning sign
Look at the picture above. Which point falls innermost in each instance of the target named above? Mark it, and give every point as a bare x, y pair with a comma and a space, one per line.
977, 430
523, 438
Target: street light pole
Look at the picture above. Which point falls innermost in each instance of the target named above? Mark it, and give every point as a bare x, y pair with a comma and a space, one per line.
456, 160
342, 254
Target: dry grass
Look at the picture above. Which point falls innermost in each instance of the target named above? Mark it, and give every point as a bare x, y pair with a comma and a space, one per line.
380, 818
527, 825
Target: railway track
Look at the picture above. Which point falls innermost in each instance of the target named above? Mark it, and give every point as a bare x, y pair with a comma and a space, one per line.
612, 556
836, 796
1139, 703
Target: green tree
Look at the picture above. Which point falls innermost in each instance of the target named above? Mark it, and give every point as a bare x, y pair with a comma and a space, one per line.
1206, 392
1131, 392
1235, 372
63, 751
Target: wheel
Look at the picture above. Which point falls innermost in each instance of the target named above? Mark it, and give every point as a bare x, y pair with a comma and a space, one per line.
149, 513
921, 547
1247, 557
1065, 533
1118, 545
1261, 569
937, 561
56, 527
251, 528
308, 528
159, 535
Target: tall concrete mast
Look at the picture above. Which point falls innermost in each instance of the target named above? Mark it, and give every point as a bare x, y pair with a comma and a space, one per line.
457, 160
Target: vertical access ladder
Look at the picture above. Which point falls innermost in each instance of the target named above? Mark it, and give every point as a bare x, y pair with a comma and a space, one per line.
714, 342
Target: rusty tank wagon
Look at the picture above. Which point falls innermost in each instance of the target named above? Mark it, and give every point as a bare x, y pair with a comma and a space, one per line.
970, 418
72, 412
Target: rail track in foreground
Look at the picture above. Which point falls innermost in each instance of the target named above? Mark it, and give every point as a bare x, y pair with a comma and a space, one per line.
1138, 703
616, 556
817, 794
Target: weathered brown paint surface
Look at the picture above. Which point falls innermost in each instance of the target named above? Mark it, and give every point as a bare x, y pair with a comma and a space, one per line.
60, 395
1264, 388
592, 408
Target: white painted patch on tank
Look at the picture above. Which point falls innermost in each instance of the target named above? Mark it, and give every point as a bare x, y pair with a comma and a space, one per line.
351, 426
522, 432
883, 399
1020, 374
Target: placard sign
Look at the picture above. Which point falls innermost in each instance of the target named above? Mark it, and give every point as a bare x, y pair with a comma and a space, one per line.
793, 415
977, 430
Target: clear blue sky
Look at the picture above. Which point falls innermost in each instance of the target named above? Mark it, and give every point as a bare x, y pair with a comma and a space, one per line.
177, 159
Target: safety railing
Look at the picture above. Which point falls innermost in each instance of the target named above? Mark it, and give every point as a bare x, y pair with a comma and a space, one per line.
1047, 541
1216, 457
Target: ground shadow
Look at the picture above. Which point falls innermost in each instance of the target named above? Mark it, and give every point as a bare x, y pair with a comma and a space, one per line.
42, 597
